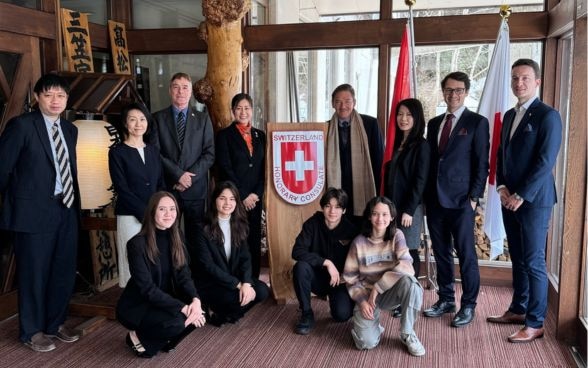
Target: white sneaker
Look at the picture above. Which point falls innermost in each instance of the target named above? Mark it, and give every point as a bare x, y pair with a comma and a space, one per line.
413, 344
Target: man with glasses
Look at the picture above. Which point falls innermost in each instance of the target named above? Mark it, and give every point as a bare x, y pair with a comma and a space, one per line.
459, 141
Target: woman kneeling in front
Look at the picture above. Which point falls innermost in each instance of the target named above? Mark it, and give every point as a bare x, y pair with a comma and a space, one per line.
159, 305
221, 262
379, 275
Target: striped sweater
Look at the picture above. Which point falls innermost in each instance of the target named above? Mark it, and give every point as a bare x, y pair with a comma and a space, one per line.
378, 264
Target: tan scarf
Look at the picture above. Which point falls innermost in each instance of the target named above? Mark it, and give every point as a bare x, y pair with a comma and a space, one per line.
364, 187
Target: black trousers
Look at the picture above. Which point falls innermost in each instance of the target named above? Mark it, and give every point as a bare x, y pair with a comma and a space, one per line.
225, 301
309, 279
193, 212
46, 271
254, 239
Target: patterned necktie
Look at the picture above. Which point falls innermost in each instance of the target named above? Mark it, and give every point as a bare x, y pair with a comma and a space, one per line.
64, 169
445, 133
181, 128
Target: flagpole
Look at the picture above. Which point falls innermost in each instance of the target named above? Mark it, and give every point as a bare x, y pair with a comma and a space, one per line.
413, 83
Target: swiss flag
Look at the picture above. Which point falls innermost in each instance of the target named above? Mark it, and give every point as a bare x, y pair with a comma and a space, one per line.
493, 105
402, 90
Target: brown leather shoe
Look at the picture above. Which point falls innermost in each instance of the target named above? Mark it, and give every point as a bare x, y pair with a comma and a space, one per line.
508, 317
526, 334
40, 342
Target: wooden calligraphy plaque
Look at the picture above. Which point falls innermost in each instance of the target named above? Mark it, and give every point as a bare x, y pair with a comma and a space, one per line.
76, 38
119, 48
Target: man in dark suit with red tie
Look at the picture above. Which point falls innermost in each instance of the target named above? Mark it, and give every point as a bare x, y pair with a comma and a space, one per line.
40, 207
459, 141
185, 140
529, 143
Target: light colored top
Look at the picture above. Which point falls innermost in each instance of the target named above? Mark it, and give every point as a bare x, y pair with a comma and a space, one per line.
225, 225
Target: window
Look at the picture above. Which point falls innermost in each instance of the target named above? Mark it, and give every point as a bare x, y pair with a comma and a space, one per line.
435, 8
167, 14
157, 71
311, 11
96, 9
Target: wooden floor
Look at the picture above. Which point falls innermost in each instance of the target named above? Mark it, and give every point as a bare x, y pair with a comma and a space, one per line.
264, 338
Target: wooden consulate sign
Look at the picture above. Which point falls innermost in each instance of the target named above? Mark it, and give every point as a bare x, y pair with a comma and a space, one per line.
76, 38
295, 172
118, 47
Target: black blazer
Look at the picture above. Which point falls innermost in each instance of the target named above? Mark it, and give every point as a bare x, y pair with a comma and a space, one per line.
133, 180
236, 164
143, 290
210, 267
27, 173
196, 156
461, 172
405, 183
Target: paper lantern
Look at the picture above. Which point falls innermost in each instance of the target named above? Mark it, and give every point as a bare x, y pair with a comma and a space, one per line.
94, 139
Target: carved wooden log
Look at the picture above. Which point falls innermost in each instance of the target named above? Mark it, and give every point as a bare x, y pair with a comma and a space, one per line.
222, 32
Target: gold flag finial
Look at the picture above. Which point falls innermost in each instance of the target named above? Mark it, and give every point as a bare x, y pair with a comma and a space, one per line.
410, 2
505, 11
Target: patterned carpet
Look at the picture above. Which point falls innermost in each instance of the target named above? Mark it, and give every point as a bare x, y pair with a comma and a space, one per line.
264, 338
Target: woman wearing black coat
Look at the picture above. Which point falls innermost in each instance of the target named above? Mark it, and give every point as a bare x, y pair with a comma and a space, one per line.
240, 158
160, 304
221, 263
406, 174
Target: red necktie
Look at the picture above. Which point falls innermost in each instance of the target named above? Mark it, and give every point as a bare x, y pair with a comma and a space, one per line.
445, 133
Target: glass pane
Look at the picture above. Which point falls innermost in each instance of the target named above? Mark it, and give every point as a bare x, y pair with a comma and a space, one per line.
312, 11
167, 14
157, 70
33, 4
300, 83
435, 8
9, 63
434, 62
96, 9
257, 14
564, 98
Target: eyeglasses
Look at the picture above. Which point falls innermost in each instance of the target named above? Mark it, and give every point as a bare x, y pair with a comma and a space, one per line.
457, 91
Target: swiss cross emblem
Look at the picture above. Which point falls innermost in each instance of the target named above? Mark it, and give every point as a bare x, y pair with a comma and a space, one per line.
298, 165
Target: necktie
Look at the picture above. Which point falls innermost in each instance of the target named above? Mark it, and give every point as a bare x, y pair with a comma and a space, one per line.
445, 133
64, 169
181, 128
344, 136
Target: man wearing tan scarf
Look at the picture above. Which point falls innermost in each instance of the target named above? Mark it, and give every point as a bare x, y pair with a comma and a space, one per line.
354, 151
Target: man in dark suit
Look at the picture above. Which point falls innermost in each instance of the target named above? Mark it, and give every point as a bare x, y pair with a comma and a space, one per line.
185, 140
529, 143
459, 141
355, 150
40, 206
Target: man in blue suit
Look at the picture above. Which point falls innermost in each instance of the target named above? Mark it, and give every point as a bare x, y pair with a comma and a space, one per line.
459, 141
529, 143
40, 207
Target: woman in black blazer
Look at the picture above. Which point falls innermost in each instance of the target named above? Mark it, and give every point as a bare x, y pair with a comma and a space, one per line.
406, 174
221, 263
240, 158
160, 304
136, 173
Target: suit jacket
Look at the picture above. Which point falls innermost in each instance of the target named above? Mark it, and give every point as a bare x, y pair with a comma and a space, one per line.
196, 156
526, 161
236, 164
27, 173
462, 170
143, 292
405, 183
376, 146
210, 267
133, 180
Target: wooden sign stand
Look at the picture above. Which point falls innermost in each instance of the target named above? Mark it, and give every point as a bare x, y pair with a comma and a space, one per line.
284, 220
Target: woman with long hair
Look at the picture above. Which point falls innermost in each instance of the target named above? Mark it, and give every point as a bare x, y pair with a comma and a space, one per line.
379, 276
160, 304
405, 175
136, 173
221, 264
240, 158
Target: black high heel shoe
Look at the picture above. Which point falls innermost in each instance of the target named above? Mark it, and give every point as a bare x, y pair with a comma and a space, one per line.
137, 348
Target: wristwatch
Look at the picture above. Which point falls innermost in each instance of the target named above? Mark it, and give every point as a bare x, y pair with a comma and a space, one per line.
518, 197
